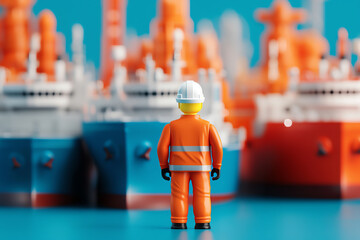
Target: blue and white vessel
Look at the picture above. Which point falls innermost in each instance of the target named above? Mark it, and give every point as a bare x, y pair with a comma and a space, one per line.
41, 151
122, 128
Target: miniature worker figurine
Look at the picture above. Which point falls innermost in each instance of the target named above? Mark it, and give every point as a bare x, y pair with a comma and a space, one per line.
189, 139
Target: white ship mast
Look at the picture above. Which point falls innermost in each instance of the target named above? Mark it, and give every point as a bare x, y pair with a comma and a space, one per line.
315, 14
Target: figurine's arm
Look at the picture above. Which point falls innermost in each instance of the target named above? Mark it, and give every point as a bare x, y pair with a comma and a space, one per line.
216, 147
163, 151
216, 152
163, 147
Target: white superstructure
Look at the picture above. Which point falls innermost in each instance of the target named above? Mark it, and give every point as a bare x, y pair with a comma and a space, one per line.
150, 94
33, 106
333, 95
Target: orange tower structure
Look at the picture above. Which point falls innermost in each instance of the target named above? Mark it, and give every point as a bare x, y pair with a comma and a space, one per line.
282, 20
208, 52
201, 51
196, 51
311, 48
114, 16
47, 53
17, 26
173, 14
283, 48
15, 34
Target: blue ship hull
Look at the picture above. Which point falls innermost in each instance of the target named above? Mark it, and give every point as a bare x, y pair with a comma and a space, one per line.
40, 172
128, 167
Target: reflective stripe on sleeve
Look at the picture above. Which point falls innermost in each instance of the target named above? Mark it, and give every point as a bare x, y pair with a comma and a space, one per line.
199, 168
190, 148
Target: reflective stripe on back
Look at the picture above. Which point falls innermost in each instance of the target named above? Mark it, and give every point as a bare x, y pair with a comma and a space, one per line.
184, 168
189, 148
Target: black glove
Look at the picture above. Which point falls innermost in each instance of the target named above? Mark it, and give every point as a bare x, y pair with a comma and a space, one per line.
217, 171
163, 174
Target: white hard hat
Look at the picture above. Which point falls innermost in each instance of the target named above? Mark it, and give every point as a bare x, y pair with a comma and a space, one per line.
190, 92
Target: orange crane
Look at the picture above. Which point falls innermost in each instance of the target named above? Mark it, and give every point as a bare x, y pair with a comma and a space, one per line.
47, 54
114, 12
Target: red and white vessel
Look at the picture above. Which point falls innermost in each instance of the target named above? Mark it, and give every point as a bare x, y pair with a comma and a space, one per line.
306, 141
301, 109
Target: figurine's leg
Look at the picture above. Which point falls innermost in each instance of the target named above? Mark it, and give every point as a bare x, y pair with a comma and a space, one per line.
179, 196
202, 203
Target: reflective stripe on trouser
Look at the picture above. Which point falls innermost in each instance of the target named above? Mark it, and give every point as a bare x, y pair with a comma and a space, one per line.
191, 168
180, 194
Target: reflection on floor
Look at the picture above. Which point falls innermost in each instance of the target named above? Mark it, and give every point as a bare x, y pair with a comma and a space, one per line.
238, 219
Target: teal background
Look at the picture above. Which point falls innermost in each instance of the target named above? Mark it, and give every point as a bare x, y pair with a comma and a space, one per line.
338, 13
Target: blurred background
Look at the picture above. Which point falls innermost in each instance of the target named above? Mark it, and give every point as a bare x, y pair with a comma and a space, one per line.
277, 218
338, 13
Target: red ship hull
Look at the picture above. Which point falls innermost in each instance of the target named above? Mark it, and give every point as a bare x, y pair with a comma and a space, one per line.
37, 200
320, 160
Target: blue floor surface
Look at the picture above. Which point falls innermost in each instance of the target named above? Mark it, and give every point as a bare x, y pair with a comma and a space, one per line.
237, 219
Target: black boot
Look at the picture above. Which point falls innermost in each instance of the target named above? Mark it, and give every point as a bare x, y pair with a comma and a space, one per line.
202, 226
179, 226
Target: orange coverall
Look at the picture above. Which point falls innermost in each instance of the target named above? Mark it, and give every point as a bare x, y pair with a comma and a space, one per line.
189, 139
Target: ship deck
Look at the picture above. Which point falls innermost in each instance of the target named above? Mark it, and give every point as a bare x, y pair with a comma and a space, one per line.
237, 219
